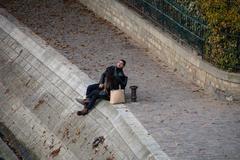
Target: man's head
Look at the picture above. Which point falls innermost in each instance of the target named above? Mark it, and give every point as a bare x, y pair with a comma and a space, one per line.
121, 63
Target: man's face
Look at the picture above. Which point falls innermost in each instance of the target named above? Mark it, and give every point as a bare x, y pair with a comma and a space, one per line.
120, 64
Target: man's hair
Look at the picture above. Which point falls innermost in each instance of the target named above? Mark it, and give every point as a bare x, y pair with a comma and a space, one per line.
124, 62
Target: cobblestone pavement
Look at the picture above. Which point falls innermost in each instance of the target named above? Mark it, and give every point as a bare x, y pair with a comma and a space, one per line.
187, 122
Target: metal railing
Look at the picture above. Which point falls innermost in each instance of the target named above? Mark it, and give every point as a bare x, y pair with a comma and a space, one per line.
174, 18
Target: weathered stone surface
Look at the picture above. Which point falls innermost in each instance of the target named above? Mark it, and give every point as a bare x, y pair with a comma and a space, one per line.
36, 105
177, 113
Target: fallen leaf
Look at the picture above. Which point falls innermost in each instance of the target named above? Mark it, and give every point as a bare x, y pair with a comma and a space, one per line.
55, 152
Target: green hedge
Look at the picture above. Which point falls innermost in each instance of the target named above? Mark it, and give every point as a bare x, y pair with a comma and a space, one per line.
222, 41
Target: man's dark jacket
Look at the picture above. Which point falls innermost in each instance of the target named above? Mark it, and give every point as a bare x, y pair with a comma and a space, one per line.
119, 78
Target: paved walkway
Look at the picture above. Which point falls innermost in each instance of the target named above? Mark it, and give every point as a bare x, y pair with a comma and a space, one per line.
188, 123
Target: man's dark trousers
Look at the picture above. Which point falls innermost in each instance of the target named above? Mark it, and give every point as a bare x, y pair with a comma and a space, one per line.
91, 88
93, 94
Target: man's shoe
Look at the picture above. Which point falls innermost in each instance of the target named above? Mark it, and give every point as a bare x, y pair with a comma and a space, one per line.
82, 101
83, 112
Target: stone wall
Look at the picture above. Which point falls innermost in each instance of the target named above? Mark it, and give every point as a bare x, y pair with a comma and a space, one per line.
37, 91
182, 58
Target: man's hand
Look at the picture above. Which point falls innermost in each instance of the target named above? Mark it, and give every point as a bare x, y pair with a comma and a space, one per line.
100, 85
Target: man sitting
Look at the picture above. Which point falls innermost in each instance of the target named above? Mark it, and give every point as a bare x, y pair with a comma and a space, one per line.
111, 79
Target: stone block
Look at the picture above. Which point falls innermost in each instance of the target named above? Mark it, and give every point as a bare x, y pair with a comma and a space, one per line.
12, 54
102, 120
3, 34
43, 69
14, 45
22, 63
5, 41
74, 95
62, 86
47, 56
19, 48
116, 139
32, 46
68, 155
10, 41
22, 52
5, 25
35, 62
36, 74
49, 117
5, 109
30, 58
30, 101
53, 78
27, 67
68, 90
8, 50
31, 71
65, 100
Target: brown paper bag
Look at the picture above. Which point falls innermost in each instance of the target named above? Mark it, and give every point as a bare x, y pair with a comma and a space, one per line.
117, 96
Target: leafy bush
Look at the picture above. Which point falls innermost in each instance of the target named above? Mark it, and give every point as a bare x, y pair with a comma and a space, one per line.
222, 44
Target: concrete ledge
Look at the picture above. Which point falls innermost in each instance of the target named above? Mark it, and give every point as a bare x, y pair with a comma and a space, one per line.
181, 58
37, 91
5, 152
